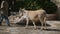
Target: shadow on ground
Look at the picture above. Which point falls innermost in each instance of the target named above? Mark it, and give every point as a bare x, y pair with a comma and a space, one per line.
23, 23
52, 30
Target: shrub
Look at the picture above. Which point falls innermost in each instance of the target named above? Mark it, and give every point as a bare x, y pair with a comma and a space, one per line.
47, 5
32, 4
50, 7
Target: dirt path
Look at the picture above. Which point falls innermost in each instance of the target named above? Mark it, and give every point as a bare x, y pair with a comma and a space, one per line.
17, 29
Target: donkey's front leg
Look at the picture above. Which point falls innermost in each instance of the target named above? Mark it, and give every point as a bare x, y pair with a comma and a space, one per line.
27, 22
45, 23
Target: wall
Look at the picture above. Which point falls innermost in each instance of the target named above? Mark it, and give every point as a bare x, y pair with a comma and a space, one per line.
57, 2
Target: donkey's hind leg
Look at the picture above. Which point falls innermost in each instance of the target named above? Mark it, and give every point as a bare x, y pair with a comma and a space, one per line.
34, 25
41, 20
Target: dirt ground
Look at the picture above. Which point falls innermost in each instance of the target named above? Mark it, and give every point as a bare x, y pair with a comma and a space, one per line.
19, 29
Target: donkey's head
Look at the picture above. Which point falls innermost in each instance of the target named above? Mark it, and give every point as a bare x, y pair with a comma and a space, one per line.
21, 12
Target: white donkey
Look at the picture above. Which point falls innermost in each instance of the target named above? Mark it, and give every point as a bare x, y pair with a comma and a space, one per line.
33, 16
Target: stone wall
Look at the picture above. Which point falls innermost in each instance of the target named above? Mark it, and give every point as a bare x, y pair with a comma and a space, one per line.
57, 2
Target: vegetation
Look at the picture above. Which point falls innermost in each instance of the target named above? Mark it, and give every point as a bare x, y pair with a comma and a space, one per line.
32, 4
50, 7
17, 5
47, 5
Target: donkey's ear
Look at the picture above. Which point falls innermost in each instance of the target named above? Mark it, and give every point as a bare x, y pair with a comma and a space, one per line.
20, 8
23, 9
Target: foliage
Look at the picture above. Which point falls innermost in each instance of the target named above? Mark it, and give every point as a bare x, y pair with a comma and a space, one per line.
47, 5
32, 4
50, 7
17, 5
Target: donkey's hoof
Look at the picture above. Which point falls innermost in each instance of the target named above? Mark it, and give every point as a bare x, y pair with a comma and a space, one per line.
35, 28
45, 27
42, 28
26, 27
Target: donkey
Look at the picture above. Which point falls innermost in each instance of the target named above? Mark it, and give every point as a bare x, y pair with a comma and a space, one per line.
33, 16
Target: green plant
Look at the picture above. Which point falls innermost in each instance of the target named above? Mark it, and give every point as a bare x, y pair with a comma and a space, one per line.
47, 5
50, 7
18, 5
32, 4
